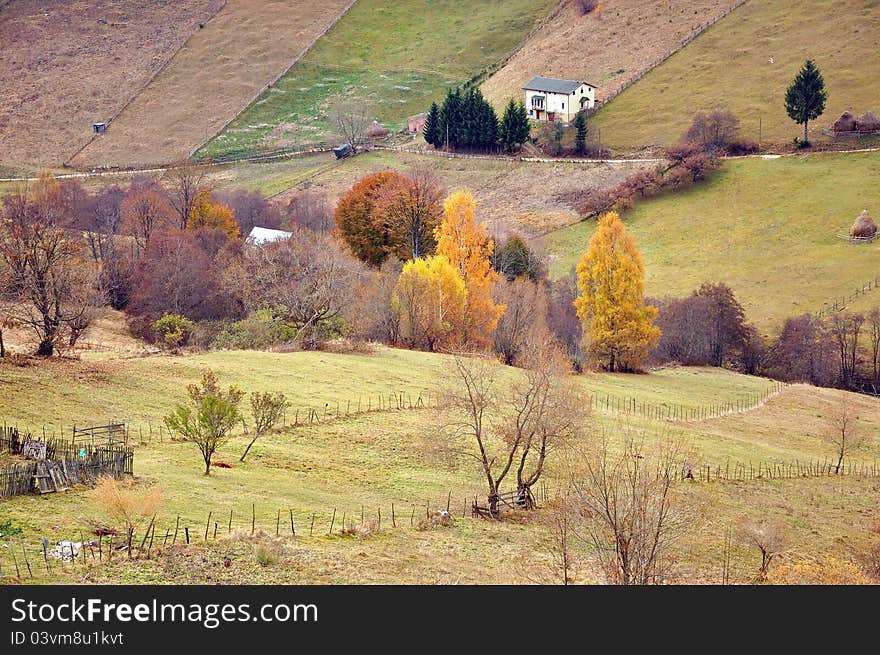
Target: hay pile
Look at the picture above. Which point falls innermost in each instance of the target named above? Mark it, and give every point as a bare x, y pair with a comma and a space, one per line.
846, 123
376, 131
864, 226
868, 122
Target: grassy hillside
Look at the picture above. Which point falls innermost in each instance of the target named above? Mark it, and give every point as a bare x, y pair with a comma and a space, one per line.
66, 65
626, 37
371, 462
219, 70
392, 58
764, 226
745, 62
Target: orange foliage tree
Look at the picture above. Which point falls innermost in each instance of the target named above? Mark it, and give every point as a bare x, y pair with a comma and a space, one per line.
618, 325
467, 246
369, 240
209, 214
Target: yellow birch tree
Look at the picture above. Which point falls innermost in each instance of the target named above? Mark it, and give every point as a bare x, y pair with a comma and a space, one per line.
618, 325
430, 298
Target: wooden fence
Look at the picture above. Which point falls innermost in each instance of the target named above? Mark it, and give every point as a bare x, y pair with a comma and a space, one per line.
840, 304
64, 464
611, 404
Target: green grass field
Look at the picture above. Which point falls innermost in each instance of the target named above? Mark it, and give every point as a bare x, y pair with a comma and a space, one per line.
389, 57
371, 462
766, 227
730, 66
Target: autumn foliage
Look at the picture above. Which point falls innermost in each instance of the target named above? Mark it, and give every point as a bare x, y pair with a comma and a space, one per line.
356, 222
618, 325
430, 299
467, 246
209, 214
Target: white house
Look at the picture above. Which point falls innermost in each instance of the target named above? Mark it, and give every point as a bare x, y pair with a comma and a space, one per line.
263, 235
549, 99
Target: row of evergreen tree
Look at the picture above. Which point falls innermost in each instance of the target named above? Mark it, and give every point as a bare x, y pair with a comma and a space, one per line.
467, 120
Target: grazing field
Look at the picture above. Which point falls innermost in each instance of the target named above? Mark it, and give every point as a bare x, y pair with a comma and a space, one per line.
607, 47
66, 65
766, 227
392, 59
210, 80
745, 62
368, 463
510, 195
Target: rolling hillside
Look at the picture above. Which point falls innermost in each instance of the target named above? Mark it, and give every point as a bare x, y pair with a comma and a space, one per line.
608, 47
392, 59
764, 226
219, 70
66, 65
745, 62
388, 461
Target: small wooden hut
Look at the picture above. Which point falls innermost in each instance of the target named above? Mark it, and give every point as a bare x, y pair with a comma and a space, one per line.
375, 131
864, 227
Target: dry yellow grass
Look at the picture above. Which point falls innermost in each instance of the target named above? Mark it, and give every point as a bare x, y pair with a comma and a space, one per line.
210, 80
607, 47
66, 65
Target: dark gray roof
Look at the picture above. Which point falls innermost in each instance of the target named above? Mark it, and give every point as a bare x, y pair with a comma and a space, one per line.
552, 85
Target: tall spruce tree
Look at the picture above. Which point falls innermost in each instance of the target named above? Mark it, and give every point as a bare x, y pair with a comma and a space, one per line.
580, 137
431, 130
450, 124
805, 98
514, 128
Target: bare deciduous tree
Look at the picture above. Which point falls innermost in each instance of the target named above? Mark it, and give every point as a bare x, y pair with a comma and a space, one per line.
874, 324
845, 329
186, 179
630, 511
843, 434
51, 285
352, 120
308, 277
412, 205
768, 537
514, 429
524, 319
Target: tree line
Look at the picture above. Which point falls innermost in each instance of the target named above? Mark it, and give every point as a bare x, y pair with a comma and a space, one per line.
467, 120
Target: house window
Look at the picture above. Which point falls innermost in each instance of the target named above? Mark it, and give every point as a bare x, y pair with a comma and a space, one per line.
563, 105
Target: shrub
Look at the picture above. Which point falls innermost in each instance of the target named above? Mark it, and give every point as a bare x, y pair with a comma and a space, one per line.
742, 147
8, 528
174, 329
712, 130
133, 505
260, 330
267, 556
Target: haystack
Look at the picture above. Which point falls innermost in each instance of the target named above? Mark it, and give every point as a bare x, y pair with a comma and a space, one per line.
375, 131
846, 123
864, 227
868, 122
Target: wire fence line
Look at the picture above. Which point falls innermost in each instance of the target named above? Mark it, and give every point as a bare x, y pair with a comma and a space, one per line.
611, 404
339, 521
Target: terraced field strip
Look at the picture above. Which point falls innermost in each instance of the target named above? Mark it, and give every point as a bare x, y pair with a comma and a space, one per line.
218, 72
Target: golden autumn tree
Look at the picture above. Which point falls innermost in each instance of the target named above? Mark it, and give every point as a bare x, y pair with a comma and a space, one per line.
467, 246
209, 214
430, 299
618, 325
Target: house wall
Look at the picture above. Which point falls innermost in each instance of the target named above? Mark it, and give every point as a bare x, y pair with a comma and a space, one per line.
563, 106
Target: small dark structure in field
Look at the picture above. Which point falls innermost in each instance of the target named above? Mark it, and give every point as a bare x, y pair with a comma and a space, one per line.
864, 227
99, 128
343, 151
846, 123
